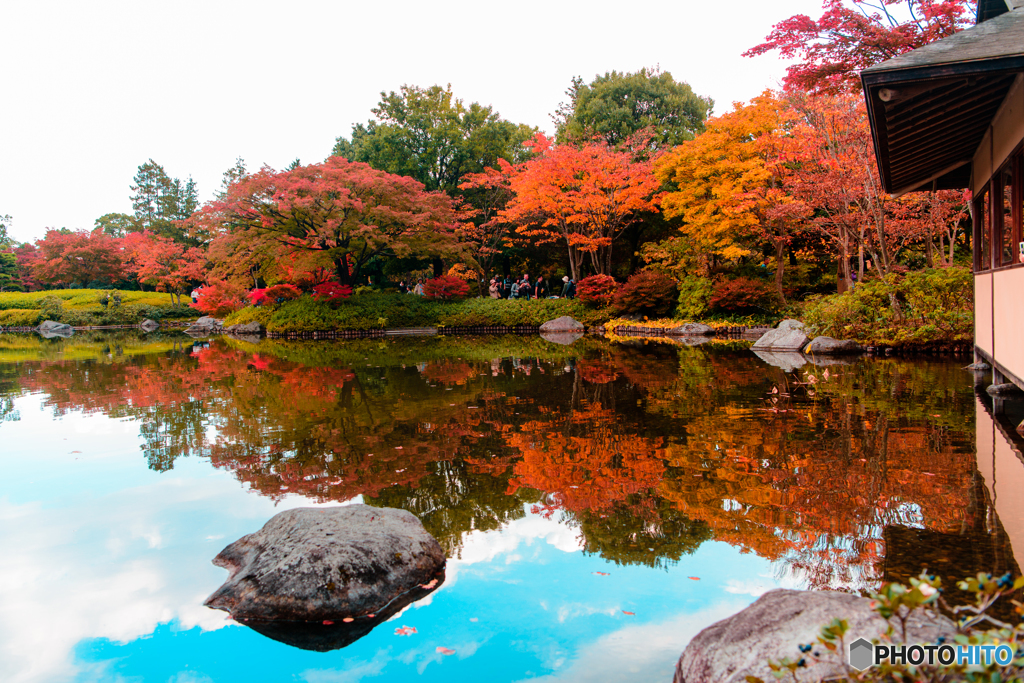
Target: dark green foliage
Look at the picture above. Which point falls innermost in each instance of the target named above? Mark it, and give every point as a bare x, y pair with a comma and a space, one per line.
923, 307
647, 293
618, 105
743, 295
430, 135
375, 310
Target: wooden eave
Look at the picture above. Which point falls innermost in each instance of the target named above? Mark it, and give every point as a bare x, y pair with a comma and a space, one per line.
929, 108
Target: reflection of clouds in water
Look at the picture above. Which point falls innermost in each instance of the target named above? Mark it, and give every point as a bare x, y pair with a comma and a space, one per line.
645, 652
85, 565
483, 547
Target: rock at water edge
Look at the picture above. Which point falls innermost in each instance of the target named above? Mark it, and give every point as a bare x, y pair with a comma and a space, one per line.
788, 336
827, 346
50, 329
773, 627
562, 324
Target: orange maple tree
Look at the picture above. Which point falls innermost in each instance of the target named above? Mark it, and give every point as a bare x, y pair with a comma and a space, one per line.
582, 196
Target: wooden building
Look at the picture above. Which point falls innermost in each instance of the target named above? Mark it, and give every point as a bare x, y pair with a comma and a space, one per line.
950, 115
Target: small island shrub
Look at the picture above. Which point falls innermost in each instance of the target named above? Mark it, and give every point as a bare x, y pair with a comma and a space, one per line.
596, 290
743, 295
445, 288
914, 308
694, 294
647, 293
219, 298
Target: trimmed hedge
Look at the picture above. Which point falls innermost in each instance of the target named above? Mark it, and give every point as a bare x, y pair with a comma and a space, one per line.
81, 307
380, 310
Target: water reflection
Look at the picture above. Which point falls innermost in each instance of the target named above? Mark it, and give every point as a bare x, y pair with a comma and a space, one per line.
844, 475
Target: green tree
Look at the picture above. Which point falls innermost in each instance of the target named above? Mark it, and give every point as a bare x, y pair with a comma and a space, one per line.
5, 224
232, 175
8, 270
616, 106
161, 202
430, 135
116, 224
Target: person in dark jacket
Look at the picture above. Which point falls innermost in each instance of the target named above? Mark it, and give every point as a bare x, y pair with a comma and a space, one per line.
525, 289
568, 288
540, 288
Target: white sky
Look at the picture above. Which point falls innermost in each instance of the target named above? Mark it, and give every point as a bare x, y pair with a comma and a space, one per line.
91, 90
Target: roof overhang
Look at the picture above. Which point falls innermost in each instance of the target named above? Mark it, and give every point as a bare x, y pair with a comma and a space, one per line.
930, 108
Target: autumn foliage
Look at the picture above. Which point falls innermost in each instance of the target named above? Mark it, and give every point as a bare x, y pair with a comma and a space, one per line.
445, 288
647, 293
218, 298
598, 290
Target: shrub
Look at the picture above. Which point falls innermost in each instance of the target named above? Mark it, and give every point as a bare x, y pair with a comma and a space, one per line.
257, 297
694, 294
597, 290
332, 292
219, 298
281, 293
921, 307
647, 293
51, 308
19, 317
742, 295
445, 288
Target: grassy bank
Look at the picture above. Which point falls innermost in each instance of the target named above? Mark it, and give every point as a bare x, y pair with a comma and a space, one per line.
82, 307
375, 311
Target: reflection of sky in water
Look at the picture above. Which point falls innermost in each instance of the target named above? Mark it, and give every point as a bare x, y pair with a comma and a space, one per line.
107, 564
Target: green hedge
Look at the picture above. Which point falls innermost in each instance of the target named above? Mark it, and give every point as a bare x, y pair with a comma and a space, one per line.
81, 307
931, 306
379, 310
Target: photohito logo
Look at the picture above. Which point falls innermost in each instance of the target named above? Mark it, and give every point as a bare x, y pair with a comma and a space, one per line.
863, 654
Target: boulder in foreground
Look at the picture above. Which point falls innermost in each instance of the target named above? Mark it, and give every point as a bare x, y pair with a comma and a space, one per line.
562, 324
827, 346
774, 627
327, 564
790, 335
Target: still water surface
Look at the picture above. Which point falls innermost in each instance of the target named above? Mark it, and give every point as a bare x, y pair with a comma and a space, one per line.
599, 503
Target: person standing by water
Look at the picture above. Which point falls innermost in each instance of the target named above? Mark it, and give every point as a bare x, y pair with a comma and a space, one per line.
402, 287
493, 289
418, 289
524, 288
568, 288
513, 292
540, 289
506, 292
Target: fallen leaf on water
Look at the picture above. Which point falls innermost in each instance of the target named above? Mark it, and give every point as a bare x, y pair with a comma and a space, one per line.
445, 650
81, 451
932, 416
398, 448
473, 619
371, 616
348, 620
428, 586
632, 614
328, 622
602, 573
695, 578
405, 631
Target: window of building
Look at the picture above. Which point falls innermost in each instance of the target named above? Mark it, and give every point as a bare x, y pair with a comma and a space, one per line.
983, 232
1007, 248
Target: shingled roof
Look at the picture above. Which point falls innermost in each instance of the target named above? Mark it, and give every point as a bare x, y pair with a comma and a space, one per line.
930, 107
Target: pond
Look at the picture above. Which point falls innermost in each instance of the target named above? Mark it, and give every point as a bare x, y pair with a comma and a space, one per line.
599, 503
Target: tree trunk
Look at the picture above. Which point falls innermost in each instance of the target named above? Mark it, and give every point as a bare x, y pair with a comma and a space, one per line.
438, 266
780, 264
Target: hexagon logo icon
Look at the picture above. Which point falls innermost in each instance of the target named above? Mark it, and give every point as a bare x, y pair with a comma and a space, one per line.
861, 654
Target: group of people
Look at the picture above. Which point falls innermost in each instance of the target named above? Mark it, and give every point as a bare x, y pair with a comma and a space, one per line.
523, 288
411, 288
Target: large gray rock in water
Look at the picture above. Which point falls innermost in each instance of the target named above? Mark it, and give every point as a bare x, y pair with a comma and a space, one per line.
773, 627
788, 336
49, 329
317, 564
692, 330
562, 324
827, 346
148, 325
